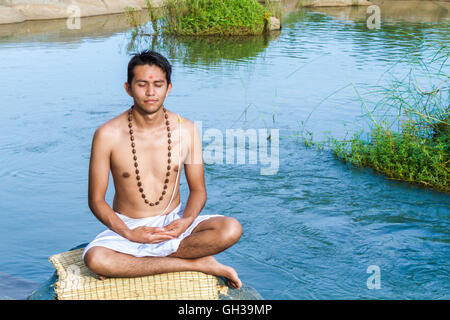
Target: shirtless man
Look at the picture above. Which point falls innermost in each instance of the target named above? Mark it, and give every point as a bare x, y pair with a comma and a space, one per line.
145, 147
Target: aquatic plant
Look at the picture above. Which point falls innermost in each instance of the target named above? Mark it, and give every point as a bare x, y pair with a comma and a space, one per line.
214, 17
205, 18
409, 135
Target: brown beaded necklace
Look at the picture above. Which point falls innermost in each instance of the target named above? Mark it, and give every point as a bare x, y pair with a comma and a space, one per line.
133, 150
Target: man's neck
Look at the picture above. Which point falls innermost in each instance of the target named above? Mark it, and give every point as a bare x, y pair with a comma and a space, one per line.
148, 121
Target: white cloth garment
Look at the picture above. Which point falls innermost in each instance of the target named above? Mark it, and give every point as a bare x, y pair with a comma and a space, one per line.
110, 239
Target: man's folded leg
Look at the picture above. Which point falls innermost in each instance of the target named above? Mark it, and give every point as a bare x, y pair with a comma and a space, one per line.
192, 253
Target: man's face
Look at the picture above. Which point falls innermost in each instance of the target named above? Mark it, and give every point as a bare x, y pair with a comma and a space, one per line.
148, 88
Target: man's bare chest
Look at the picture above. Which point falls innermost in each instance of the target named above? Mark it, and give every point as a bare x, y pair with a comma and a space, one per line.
149, 155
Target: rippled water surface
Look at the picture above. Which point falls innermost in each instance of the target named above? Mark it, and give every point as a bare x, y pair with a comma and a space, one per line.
310, 231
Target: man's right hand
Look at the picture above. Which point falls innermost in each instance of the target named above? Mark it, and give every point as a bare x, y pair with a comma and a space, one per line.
148, 235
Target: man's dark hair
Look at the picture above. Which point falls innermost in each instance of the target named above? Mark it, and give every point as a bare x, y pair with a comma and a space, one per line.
151, 58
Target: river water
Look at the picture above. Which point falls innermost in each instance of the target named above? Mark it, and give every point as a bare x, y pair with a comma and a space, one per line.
314, 228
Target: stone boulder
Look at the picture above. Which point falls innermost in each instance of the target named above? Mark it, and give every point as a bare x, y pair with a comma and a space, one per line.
12, 11
10, 15
333, 3
273, 24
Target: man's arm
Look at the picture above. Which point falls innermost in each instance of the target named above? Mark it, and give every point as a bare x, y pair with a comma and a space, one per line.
99, 167
195, 177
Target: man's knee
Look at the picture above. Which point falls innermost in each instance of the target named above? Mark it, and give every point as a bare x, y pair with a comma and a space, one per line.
231, 230
96, 259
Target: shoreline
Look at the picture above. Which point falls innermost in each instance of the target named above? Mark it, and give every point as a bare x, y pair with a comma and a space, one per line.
18, 11
56, 30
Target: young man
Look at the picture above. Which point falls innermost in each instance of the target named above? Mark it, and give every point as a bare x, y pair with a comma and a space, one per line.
145, 147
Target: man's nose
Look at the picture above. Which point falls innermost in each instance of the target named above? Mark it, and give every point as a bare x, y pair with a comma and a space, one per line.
150, 90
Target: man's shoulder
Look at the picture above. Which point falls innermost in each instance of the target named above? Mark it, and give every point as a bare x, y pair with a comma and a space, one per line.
112, 127
187, 123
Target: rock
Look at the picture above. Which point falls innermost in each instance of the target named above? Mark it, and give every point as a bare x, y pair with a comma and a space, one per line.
333, 3
274, 24
10, 15
12, 11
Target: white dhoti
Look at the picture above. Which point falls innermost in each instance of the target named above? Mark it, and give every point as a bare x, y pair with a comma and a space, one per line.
111, 240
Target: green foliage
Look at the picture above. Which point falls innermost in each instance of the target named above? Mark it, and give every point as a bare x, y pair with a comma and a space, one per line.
205, 18
214, 17
413, 145
402, 156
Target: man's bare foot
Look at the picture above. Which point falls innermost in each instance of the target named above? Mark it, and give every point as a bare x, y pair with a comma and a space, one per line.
211, 266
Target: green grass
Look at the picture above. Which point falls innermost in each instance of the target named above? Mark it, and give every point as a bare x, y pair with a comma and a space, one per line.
205, 18
401, 156
214, 17
409, 134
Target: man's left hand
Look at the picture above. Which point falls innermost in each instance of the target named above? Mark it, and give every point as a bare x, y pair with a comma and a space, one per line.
177, 227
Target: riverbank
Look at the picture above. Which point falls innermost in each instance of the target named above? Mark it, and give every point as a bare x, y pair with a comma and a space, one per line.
392, 11
16, 11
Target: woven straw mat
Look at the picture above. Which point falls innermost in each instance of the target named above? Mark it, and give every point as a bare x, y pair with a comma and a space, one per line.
77, 282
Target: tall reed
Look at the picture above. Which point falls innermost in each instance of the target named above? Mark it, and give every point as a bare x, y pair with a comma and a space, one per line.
409, 135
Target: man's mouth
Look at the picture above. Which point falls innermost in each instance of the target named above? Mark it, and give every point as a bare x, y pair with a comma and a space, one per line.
150, 101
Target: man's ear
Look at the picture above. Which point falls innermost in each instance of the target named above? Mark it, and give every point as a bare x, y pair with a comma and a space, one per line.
169, 88
128, 89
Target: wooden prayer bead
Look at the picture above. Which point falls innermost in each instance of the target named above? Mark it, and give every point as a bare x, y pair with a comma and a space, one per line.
169, 154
